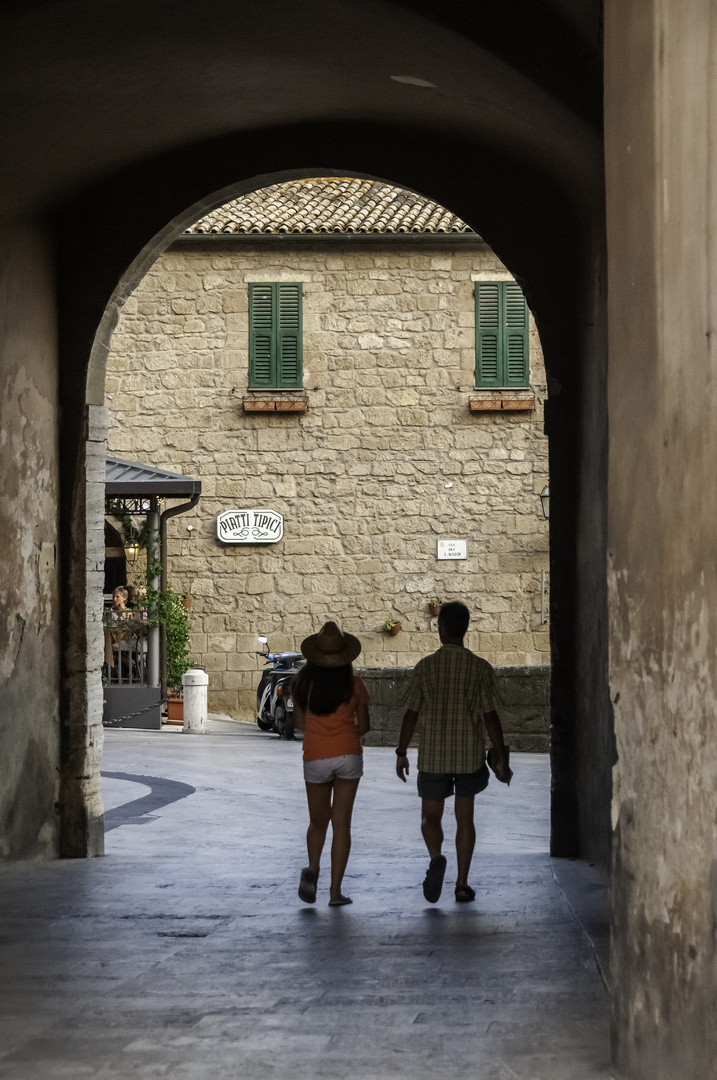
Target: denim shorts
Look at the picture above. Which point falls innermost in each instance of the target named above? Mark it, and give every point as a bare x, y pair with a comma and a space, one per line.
443, 785
324, 770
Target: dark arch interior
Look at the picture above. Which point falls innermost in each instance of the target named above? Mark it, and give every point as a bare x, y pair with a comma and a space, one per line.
547, 232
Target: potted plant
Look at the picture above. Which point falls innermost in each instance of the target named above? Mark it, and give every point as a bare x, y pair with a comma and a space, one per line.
434, 605
175, 707
392, 627
168, 609
172, 612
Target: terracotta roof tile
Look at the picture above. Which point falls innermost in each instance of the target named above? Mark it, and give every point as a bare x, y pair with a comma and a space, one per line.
333, 205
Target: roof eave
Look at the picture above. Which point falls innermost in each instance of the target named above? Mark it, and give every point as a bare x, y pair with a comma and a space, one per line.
169, 489
411, 239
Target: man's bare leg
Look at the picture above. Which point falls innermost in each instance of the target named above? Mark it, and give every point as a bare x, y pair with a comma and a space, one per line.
431, 815
465, 836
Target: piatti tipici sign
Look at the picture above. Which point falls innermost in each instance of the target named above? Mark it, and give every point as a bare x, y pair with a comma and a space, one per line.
250, 527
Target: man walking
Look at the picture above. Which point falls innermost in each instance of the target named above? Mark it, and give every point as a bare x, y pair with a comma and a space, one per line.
453, 692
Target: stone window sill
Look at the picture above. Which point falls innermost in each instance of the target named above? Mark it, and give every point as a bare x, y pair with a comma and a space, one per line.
502, 402
275, 404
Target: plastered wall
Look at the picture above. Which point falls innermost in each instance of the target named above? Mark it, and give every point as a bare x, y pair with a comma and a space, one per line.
29, 615
662, 230
386, 459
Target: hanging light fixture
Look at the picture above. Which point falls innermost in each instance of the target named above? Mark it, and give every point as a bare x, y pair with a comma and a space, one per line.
130, 550
545, 500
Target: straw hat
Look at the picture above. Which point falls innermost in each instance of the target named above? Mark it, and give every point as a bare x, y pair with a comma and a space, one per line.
330, 647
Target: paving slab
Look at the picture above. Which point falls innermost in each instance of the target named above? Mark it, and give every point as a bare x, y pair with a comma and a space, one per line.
186, 953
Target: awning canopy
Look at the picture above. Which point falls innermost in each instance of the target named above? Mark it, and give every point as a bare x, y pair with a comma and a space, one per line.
130, 479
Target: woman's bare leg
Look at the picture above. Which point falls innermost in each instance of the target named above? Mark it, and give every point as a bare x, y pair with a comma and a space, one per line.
341, 810
319, 799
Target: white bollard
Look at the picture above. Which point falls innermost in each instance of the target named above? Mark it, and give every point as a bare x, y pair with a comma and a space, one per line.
195, 683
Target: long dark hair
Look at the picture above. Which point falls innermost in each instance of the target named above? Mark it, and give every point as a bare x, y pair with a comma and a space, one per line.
322, 689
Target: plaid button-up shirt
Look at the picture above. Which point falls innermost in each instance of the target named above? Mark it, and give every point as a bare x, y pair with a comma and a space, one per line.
451, 691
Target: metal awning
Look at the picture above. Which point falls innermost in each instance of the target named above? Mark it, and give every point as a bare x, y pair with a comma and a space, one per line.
131, 479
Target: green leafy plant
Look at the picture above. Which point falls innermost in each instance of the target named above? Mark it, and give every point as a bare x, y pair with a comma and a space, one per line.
166, 609
175, 619
390, 624
435, 601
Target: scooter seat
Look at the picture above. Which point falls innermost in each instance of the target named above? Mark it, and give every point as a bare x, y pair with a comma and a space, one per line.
288, 659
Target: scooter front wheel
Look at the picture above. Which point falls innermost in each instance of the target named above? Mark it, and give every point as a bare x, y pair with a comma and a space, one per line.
265, 725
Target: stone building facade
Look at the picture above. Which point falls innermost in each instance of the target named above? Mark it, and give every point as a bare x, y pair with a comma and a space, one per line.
386, 448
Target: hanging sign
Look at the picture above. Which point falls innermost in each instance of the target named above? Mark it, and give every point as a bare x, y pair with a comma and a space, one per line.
250, 527
452, 549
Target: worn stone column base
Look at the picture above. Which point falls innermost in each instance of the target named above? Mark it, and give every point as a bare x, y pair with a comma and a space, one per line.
81, 810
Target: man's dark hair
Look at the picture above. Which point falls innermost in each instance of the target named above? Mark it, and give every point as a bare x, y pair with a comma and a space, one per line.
454, 618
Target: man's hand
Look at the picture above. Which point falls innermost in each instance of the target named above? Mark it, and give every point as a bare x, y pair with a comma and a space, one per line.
498, 753
410, 719
499, 763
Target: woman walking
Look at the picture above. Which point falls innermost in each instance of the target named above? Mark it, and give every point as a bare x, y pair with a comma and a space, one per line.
331, 708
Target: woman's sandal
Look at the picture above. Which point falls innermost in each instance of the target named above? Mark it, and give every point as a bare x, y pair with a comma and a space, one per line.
341, 901
464, 894
307, 885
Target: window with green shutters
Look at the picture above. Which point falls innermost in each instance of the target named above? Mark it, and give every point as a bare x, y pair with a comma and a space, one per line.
502, 349
275, 347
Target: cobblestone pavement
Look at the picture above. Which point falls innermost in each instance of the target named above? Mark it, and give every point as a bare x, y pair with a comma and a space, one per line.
185, 953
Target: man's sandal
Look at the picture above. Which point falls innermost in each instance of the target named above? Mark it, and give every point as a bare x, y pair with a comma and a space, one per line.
433, 881
307, 885
464, 894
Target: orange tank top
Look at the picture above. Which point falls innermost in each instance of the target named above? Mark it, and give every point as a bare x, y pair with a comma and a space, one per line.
335, 735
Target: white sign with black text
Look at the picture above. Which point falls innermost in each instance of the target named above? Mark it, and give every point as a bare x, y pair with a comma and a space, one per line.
250, 527
452, 549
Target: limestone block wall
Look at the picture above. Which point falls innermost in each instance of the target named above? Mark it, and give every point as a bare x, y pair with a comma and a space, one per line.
30, 751
524, 714
386, 460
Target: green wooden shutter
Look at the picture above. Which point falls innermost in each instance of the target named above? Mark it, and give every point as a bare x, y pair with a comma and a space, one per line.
275, 335
488, 335
516, 369
502, 347
289, 351
261, 335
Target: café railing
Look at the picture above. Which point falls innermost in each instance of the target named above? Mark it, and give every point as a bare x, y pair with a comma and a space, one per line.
125, 649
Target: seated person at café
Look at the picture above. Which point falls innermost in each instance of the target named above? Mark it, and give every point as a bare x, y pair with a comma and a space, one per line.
119, 601
137, 597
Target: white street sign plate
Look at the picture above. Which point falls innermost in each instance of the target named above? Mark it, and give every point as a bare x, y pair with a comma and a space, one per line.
250, 527
452, 549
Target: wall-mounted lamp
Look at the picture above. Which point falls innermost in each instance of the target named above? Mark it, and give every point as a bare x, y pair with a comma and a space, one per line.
130, 551
545, 500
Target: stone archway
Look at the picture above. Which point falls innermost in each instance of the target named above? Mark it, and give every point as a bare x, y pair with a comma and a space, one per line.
520, 213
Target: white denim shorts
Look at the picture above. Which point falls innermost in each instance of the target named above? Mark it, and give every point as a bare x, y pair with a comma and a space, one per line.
324, 770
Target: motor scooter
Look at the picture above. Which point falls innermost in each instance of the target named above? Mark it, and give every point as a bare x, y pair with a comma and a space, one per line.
274, 704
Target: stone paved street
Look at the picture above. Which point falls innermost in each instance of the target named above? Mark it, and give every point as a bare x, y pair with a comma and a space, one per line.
185, 953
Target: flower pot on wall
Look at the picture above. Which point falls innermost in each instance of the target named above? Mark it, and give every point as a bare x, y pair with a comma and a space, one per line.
187, 603
434, 609
393, 630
